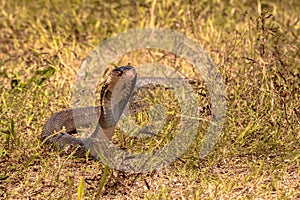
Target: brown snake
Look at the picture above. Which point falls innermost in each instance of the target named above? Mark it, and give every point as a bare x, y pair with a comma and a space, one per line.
122, 81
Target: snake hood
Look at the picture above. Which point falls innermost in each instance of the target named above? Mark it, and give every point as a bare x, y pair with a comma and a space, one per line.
115, 95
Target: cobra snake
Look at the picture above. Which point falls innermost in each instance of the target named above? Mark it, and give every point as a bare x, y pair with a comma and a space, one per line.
122, 81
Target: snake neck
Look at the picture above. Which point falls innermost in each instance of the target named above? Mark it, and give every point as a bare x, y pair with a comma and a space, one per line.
115, 94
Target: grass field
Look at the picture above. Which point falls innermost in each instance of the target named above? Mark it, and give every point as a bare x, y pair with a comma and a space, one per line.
255, 46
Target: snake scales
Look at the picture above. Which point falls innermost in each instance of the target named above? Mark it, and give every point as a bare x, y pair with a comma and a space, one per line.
123, 81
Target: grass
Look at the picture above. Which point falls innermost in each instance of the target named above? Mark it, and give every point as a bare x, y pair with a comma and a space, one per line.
255, 45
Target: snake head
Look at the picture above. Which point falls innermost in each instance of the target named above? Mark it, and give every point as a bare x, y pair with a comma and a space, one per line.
127, 71
119, 79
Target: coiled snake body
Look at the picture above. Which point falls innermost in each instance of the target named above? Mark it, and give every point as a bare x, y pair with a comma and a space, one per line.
115, 94
122, 81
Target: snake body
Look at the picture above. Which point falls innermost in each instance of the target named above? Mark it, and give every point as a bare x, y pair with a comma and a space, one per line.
115, 94
121, 81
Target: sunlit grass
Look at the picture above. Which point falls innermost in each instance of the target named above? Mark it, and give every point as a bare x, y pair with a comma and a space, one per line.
255, 45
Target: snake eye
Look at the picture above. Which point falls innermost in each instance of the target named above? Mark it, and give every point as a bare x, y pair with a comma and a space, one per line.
116, 72
120, 73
